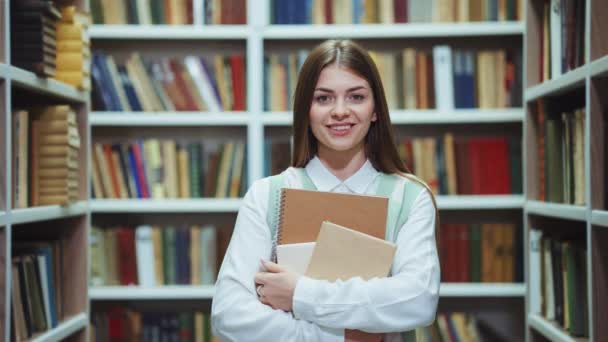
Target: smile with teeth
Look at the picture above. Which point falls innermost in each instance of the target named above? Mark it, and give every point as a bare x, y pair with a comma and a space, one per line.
341, 129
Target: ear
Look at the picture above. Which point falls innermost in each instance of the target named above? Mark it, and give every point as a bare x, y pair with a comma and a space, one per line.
374, 117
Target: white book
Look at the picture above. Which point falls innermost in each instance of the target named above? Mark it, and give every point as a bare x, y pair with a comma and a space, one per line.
535, 271
144, 249
202, 82
208, 255
444, 80
549, 297
555, 22
44, 287
143, 12
295, 256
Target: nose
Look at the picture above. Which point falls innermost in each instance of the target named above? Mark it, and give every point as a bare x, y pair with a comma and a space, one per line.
340, 109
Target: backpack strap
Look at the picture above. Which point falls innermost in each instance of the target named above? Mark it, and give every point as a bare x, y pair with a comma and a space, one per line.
398, 210
307, 183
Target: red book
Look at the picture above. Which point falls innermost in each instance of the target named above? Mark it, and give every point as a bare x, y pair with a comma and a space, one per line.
463, 251
475, 166
329, 17
502, 167
107, 151
463, 174
139, 168
237, 65
116, 324
185, 89
127, 267
400, 9
241, 12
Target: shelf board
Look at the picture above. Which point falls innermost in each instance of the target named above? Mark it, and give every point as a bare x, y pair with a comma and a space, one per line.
64, 329
457, 116
599, 67
3, 218
169, 119
473, 202
417, 30
30, 81
557, 210
172, 32
551, 330
482, 290
173, 292
599, 218
202, 205
571, 80
48, 212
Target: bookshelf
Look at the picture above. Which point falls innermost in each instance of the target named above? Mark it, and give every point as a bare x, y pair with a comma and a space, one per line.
583, 86
258, 125
65, 225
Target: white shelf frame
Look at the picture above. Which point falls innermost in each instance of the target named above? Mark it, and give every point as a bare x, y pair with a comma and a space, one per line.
65, 329
172, 32
599, 67
550, 330
411, 30
201, 205
49, 212
482, 290
476, 202
24, 79
169, 119
573, 79
599, 218
169, 292
3, 218
557, 210
425, 117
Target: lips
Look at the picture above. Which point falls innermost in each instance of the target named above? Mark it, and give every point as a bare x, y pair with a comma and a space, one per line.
341, 129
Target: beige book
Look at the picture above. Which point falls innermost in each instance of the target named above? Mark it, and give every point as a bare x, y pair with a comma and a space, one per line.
154, 167
138, 87
199, 325
55, 199
20, 159
295, 256
183, 167
170, 168
122, 186
58, 150
387, 12
237, 169
96, 178
224, 170
56, 126
409, 78
60, 161
157, 243
318, 12
450, 163
57, 173
342, 253
111, 254
50, 183
104, 171
195, 255
222, 84
143, 76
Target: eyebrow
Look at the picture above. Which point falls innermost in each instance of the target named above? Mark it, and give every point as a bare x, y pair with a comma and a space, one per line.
348, 90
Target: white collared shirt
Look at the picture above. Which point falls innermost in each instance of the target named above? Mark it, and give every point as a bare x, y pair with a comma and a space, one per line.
322, 310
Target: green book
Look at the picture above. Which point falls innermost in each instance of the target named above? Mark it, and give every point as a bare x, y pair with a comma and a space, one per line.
186, 327
195, 169
553, 164
475, 252
168, 237
35, 292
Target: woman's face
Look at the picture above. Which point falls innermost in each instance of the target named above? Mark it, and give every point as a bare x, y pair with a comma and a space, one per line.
342, 110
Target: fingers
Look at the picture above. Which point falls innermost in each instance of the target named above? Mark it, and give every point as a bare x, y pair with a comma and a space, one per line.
272, 267
261, 278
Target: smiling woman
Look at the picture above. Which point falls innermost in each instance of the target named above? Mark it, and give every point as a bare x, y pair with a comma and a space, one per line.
343, 142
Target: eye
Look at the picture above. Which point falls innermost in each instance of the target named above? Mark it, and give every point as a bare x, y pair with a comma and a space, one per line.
357, 97
322, 98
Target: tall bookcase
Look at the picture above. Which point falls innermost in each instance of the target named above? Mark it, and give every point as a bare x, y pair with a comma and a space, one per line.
68, 223
497, 302
585, 87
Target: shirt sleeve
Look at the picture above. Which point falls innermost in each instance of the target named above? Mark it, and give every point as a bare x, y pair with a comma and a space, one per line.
404, 301
236, 313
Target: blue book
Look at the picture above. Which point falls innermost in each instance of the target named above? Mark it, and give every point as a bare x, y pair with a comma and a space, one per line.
133, 170
109, 84
357, 11
100, 84
212, 78
468, 93
127, 85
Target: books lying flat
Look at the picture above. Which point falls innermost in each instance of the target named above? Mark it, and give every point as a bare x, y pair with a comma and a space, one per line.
295, 256
342, 253
302, 212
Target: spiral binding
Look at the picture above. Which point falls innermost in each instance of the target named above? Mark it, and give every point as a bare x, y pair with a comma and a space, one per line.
279, 222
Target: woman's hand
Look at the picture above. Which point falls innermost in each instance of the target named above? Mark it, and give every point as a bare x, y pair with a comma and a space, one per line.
276, 286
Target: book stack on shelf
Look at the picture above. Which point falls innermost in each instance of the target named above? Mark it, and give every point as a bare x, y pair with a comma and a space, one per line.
392, 11
566, 219
273, 54
117, 323
44, 161
73, 48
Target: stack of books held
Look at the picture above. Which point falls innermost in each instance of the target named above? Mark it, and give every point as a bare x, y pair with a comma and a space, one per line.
55, 155
73, 48
33, 36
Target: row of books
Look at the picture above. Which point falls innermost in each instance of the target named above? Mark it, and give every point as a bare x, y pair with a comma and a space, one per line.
118, 323
36, 298
558, 281
562, 43
459, 327
233, 12
487, 253
191, 83
153, 168
561, 156
46, 152
395, 11
444, 78
154, 256
145, 12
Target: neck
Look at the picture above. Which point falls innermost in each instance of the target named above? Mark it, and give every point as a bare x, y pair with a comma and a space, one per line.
342, 164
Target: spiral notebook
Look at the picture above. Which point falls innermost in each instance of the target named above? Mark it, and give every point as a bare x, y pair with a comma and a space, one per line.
301, 213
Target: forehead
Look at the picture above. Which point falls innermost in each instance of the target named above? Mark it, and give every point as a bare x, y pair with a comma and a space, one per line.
336, 76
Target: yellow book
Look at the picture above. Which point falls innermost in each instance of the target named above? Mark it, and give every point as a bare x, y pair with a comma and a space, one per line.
56, 183
371, 12
57, 172
62, 161
58, 112
80, 79
450, 163
318, 12
62, 139
224, 170
220, 77
71, 14
73, 45
170, 168
124, 193
237, 170
199, 324
195, 255
154, 166
72, 31
73, 61
55, 199
183, 167
47, 151
157, 243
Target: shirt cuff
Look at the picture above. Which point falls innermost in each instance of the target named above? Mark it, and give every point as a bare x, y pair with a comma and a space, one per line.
303, 298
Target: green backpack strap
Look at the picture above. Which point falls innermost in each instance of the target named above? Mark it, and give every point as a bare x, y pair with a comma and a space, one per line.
398, 211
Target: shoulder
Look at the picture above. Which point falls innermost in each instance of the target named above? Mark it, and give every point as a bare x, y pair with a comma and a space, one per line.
416, 187
260, 189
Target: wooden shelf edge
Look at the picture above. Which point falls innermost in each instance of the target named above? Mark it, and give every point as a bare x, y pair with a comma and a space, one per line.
202, 205
550, 330
557, 210
570, 80
169, 119
50, 212
482, 290
64, 329
599, 218
173, 292
393, 30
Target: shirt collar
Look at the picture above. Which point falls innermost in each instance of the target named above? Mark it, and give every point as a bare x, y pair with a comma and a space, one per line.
324, 180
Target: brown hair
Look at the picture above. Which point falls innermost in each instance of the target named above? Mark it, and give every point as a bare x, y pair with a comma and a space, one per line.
380, 147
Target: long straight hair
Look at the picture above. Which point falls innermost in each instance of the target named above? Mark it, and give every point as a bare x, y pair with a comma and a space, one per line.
380, 148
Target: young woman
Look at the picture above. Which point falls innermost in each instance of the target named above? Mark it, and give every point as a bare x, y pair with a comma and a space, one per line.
343, 142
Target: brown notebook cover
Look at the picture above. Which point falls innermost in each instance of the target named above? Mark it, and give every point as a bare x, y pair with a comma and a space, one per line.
303, 211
